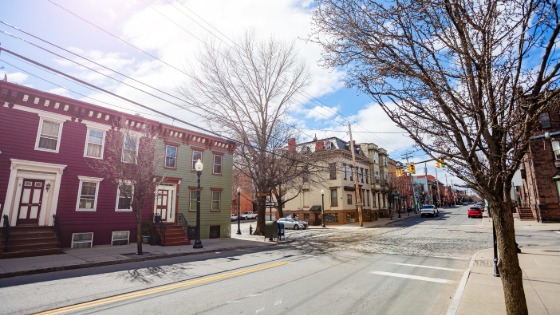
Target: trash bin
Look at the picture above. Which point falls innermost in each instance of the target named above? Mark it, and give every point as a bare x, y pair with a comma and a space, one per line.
271, 230
280, 231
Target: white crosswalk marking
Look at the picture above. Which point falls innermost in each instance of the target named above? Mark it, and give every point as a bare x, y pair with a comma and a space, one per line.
402, 275
429, 267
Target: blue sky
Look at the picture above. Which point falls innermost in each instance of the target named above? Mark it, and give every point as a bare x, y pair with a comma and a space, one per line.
106, 31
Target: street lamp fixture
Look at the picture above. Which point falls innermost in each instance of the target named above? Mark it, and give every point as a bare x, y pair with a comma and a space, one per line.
323, 207
238, 214
198, 166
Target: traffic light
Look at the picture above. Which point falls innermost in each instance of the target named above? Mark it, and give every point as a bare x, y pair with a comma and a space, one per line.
409, 168
412, 169
438, 164
441, 162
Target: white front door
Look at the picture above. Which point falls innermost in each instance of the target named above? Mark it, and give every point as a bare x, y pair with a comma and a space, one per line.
165, 202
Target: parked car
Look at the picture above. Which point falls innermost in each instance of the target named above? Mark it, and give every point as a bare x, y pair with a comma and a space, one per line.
290, 223
233, 217
430, 210
248, 215
474, 212
465, 203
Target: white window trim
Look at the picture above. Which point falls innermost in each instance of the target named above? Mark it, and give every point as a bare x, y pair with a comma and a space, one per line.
58, 137
88, 179
113, 237
176, 155
88, 241
127, 182
191, 199
97, 127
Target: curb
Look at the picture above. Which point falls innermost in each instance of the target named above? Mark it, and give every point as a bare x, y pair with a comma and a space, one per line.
454, 306
118, 262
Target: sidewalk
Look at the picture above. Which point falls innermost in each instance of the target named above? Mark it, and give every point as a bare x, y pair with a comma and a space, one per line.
482, 293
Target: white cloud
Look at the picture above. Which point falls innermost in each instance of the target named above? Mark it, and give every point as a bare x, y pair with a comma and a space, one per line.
16, 77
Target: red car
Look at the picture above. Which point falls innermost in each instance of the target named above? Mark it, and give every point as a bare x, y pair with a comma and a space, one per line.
474, 212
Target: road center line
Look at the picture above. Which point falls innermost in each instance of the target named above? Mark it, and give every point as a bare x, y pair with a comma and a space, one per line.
402, 275
424, 266
156, 290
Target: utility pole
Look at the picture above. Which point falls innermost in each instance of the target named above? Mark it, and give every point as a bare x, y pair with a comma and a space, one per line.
358, 191
428, 192
406, 156
447, 189
437, 189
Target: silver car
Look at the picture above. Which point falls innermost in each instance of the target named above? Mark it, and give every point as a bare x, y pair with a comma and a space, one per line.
290, 223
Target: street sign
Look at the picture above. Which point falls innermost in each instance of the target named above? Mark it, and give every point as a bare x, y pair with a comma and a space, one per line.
270, 204
263, 194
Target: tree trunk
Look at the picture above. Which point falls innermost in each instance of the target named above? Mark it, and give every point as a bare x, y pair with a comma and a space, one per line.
138, 232
508, 265
259, 229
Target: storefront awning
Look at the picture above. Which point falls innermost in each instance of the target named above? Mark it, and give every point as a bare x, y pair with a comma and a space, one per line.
350, 188
315, 208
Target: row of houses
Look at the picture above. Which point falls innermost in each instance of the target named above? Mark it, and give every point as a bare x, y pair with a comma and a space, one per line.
47, 146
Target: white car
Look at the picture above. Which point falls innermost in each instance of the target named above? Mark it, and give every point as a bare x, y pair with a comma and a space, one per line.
233, 217
290, 223
430, 210
248, 215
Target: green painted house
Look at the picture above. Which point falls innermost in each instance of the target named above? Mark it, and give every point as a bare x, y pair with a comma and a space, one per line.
179, 149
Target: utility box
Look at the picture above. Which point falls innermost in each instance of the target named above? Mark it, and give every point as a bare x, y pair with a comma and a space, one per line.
271, 230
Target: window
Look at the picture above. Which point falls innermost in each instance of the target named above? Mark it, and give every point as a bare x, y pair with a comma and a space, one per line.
351, 172
170, 156
374, 201
48, 137
124, 197
120, 238
344, 170
544, 119
196, 155
217, 167
332, 170
367, 177
349, 199
361, 175
82, 240
192, 200
377, 177
386, 179
87, 193
367, 198
130, 149
556, 149
334, 197
216, 200
375, 157
305, 176
94, 143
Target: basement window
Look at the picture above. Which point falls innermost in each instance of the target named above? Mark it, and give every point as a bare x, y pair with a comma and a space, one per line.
120, 238
82, 240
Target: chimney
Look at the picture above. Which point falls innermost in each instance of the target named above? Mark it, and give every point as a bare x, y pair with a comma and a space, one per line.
319, 146
292, 145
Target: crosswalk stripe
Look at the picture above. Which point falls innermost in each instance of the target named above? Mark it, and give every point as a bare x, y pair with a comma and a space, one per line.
402, 275
429, 267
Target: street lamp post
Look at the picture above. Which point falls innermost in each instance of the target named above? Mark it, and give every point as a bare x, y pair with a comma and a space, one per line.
238, 214
198, 166
323, 207
496, 271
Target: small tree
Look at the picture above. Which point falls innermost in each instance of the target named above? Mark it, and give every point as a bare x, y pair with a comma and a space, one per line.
129, 163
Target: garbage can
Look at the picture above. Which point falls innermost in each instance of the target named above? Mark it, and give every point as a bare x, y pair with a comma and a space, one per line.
271, 230
280, 231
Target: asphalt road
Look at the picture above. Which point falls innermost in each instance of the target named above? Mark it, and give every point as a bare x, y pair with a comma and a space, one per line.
410, 267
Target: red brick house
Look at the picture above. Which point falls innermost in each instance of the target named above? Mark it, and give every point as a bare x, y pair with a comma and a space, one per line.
47, 143
539, 193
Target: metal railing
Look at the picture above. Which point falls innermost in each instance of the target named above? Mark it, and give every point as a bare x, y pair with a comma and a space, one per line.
6, 231
183, 222
56, 227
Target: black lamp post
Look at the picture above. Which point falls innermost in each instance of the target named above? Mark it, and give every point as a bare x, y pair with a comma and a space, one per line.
323, 207
198, 166
398, 202
238, 214
496, 271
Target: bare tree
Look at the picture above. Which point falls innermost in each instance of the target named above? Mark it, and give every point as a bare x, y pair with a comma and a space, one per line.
130, 163
466, 79
244, 91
